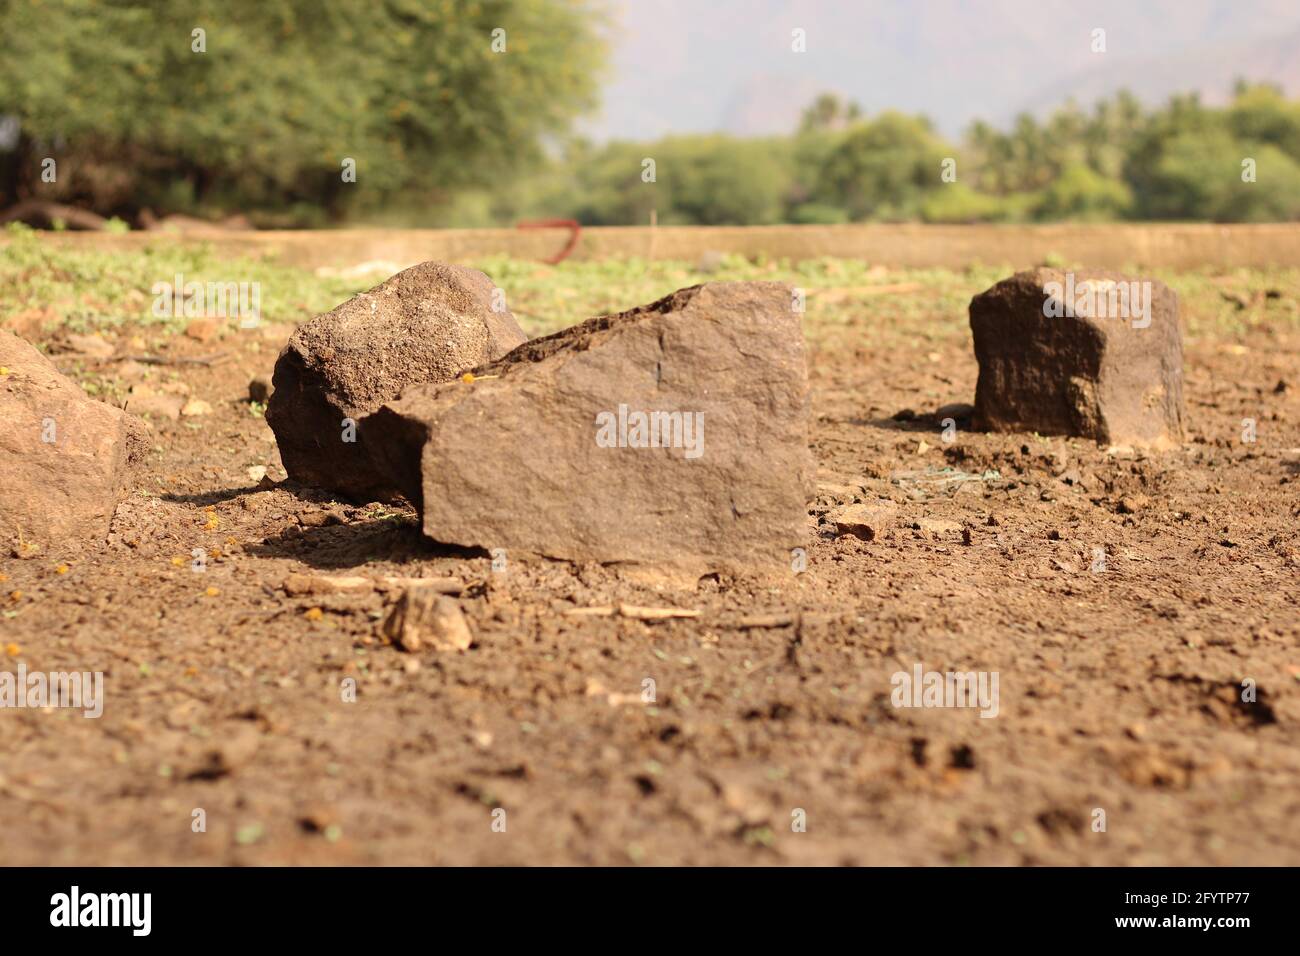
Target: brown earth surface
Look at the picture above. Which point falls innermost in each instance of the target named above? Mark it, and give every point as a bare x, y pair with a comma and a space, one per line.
905, 245
1120, 687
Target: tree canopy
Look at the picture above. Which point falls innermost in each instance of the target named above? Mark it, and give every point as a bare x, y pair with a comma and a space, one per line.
258, 103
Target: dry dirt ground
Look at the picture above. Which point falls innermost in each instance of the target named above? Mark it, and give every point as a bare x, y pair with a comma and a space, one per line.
1120, 679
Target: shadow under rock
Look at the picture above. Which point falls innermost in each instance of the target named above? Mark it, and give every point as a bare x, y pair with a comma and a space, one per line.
338, 546
910, 421
318, 496
209, 497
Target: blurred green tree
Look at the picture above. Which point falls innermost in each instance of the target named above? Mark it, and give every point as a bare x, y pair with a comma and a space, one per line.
882, 168
1192, 161
263, 107
1081, 194
698, 180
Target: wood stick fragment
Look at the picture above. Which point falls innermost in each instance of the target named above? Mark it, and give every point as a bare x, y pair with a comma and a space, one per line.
299, 584
654, 613
441, 585
164, 360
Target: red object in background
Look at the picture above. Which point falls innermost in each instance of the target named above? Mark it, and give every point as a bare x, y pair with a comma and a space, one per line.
569, 224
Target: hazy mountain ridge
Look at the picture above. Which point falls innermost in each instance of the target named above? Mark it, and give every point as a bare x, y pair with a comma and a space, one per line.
681, 66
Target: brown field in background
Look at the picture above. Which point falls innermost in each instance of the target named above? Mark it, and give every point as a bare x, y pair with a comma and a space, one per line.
1109, 245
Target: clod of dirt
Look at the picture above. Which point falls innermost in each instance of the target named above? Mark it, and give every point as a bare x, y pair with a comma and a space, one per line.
317, 817
937, 527
671, 438
1132, 504
423, 615
235, 747
1092, 354
64, 457
426, 324
865, 521
203, 330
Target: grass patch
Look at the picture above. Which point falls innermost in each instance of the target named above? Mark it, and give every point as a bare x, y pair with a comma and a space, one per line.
93, 290
850, 304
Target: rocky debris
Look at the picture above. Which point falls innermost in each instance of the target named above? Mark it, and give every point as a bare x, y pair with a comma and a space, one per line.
427, 324
424, 615
865, 521
64, 458
196, 407
671, 438
259, 388
1092, 354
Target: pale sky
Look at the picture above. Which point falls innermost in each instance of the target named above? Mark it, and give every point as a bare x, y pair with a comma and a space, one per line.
703, 65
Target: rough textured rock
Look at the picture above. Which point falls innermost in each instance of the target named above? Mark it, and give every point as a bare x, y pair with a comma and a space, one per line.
259, 388
426, 324
866, 521
64, 458
1111, 371
512, 459
422, 615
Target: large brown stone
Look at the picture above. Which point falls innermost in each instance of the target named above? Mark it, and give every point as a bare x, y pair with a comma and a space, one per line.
542, 452
426, 324
64, 457
1093, 354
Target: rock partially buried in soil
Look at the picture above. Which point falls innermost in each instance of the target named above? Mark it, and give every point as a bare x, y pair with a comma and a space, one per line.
1092, 354
427, 324
865, 521
672, 438
64, 458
